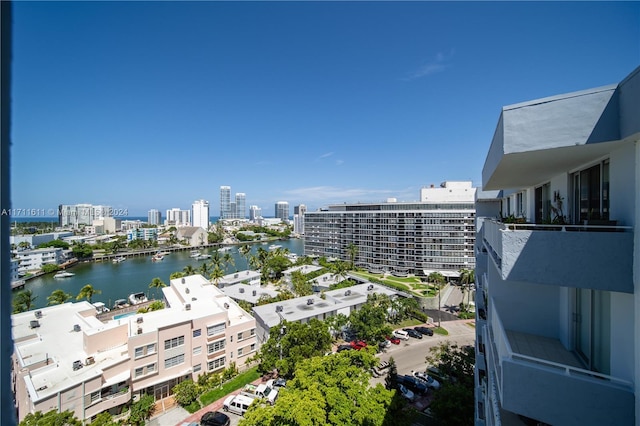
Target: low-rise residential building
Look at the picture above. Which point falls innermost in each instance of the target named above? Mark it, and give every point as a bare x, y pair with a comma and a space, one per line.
557, 269
302, 309
66, 358
248, 277
249, 293
32, 260
304, 269
147, 234
195, 236
35, 240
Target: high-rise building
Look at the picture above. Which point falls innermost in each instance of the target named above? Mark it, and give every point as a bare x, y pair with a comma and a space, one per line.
154, 217
298, 218
200, 215
241, 205
432, 235
255, 213
282, 211
177, 217
557, 282
225, 202
82, 214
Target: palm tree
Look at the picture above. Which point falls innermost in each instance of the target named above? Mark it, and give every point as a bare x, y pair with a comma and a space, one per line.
188, 270
352, 249
438, 280
340, 269
87, 292
216, 275
157, 283
216, 259
23, 301
58, 297
228, 259
468, 277
204, 269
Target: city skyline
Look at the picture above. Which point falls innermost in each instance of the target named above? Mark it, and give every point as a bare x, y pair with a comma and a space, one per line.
314, 103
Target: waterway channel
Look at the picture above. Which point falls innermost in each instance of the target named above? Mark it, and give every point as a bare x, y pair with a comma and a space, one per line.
118, 280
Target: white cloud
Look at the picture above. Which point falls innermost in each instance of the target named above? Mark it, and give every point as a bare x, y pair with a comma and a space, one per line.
438, 64
328, 154
339, 162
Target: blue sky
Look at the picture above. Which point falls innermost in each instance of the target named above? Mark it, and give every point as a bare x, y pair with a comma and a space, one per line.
142, 105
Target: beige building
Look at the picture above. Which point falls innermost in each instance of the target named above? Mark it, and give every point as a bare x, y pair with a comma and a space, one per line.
194, 235
65, 358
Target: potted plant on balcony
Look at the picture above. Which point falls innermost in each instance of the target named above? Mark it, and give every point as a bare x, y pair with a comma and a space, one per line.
556, 207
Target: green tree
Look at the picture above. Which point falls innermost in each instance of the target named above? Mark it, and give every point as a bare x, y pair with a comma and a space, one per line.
327, 390
82, 250
370, 321
50, 267
188, 270
58, 297
178, 274
227, 258
23, 301
156, 305
458, 364
55, 243
291, 342
467, 277
157, 283
245, 250
216, 275
141, 410
391, 379
301, 287
186, 392
336, 324
352, 250
87, 292
50, 418
438, 280
340, 270
204, 269
104, 419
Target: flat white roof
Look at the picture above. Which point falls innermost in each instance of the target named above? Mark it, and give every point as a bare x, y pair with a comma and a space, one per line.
250, 293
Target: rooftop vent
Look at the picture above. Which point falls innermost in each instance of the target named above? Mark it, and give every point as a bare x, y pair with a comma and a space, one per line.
241, 290
278, 308
38, 314
254, 292
226, 306
309, 301
76, 327
187, 291
139, 320
347, 293
77, 365
193, 299
41, 388
187, 306
183, 281
90, 360
139, 330
370, 287
235, 276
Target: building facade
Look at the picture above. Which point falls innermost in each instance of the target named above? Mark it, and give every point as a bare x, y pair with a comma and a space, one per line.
241, 205
154, 217
82, 214
200, 209
282, 211
225, 202
298, 219
558, 293
33, 260
146, 234
177, 217
67, 357
255, 213
436, 234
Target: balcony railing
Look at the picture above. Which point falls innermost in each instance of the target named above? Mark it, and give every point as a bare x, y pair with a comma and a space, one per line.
553, 392
594, 257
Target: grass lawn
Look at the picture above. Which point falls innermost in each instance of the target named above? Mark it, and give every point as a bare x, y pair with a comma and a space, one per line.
441, 331
406, 323
234, 384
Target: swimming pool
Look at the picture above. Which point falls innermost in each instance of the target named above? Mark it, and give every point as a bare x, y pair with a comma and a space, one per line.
120, 316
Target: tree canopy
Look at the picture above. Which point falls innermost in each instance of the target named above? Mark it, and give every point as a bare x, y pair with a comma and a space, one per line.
328, 390
50, 418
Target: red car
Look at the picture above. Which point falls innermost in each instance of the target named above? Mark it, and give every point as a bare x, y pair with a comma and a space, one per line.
358, 344
393, 340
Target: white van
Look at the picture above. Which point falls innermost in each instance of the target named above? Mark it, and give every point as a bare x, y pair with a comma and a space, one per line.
237, 404
401, 334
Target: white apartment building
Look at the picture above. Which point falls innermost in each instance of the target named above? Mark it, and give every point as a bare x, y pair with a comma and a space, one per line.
298, 219
177, 217
247, 277
82, 214
282, 211
154, 217
434, 234
558, 297
200, 215
241, 205
33, 260
147, 234
35, 240
225, 202
65, 358
255, 213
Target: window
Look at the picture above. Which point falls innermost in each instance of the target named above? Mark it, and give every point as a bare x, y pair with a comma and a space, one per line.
95, 396
520, 204
197, 333
151, 348
215, 329
174, 343
151, 368
216, 346
239, 336
139, 372
253, 347
253, 332
591, 193
139, 352
216, 364
240, 351
197, 350
173, 361
197, 368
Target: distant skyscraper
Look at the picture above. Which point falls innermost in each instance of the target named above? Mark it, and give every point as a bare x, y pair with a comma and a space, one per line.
200, 215
282, 210
178, 217
241, 205
225, 202
298, 218
82, 214
154, 217
254, 213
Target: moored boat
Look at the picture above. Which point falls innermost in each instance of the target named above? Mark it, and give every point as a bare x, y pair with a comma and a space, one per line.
137, 298
63, 274
118, 259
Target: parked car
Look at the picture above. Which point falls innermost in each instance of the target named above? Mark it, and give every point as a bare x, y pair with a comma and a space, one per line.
411, 332
215, 418
413, 383
383, 365
384, 344
344, 348
401, 334
393, 340
358, 344
424, 330
406, 393
374, 372
430, 381
279, 383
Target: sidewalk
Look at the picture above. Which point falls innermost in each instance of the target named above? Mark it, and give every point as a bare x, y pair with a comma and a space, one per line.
178, 415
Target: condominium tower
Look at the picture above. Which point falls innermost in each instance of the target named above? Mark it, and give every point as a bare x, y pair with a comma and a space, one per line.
82, 214
200, 209
241, 205
154, 217
177, 217
282, 210
255, 213
434, 234
557, 270
225, 202
298, 218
